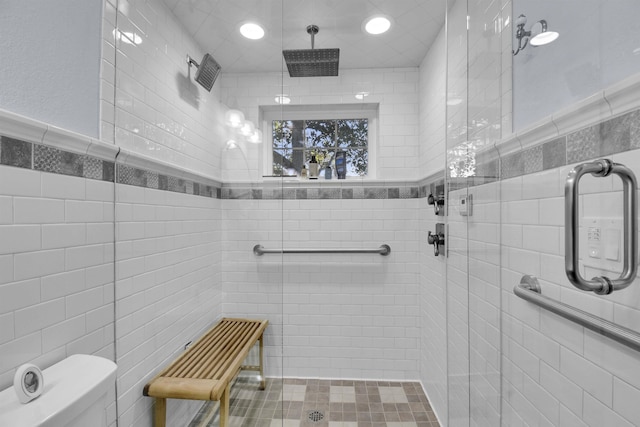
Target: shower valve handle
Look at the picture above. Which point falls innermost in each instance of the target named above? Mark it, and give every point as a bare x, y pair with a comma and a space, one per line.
436, 201
436, 240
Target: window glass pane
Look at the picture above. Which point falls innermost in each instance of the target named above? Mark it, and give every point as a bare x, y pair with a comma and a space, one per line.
353, 132
357, 161
288, 133
320, 133
283, 162
296, 141
297, 161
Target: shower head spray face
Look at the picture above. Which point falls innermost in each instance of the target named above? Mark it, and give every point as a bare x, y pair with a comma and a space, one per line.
312, 62
207, 71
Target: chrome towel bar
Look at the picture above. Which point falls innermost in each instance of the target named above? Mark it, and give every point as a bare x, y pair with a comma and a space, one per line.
601, 285
529, 289
382, 250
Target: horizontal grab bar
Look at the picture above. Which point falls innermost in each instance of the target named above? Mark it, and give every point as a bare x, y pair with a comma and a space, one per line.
382, 250
529, 289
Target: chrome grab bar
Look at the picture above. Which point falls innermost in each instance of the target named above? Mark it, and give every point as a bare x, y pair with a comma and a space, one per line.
382, 250
601, 285
529, 290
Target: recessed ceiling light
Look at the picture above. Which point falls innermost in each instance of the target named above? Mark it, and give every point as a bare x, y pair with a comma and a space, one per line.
252, 31
377, 25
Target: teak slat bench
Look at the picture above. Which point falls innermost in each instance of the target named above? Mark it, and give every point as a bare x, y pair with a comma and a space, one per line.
205, 370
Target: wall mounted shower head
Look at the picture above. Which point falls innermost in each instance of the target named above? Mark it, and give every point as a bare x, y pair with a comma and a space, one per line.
312, 62
540, 37
207, 71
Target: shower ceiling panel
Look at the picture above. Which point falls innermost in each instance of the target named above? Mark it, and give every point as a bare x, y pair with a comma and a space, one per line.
214, 25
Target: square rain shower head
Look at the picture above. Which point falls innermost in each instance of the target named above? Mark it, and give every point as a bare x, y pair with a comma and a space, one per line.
312, 62
207, 72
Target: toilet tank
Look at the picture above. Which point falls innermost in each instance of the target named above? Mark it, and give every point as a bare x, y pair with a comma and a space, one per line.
75, 394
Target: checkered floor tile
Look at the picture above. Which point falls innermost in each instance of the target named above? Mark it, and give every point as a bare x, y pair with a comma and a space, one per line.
293, 402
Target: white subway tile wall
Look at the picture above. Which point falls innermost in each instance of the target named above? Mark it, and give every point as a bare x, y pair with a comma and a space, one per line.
56, 270
433, 360
335, 315
475, 119
167, 288
433, 108
182, 260
397, 152
108, 72
160, 111
432, 318
556, 372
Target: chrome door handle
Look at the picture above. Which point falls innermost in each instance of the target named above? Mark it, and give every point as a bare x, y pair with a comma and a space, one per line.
601, 285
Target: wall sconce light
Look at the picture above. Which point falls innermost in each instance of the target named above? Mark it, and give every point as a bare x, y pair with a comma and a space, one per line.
540, 38
234, 119
247, 128
238, 128
256, 137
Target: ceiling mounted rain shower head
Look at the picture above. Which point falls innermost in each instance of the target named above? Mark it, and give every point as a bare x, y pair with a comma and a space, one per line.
207, 71
312, 62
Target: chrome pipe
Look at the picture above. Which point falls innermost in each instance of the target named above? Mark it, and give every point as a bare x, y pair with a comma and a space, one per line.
529, 290
601, 285
383, 250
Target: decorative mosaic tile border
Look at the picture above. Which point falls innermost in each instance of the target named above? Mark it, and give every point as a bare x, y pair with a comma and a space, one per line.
27, 155
341, 190
615, 135
148, 179
44, 158
313, 193
608, 137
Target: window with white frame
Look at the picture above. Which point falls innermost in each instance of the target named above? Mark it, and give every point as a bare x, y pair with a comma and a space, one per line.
297, 134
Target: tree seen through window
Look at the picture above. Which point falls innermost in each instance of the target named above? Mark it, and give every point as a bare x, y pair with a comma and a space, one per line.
295, 141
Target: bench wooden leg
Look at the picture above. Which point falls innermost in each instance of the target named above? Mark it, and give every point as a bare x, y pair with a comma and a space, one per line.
262, 382
160, 412
224, 406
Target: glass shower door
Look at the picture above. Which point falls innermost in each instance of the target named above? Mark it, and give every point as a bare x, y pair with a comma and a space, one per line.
474, 122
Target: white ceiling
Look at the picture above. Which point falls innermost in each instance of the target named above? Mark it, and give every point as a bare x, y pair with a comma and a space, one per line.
214, 25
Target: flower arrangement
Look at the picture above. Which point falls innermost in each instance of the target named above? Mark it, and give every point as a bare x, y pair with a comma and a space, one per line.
323, 158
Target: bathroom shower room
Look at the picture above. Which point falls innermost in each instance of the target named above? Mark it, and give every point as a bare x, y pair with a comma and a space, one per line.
319, 213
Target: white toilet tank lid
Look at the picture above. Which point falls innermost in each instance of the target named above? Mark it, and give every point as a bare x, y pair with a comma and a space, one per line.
70, 386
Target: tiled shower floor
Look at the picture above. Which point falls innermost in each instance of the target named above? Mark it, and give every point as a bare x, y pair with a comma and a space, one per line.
332, 403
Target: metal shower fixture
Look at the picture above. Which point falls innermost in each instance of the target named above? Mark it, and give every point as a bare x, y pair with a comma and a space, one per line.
312, 62
526, 37
207, 71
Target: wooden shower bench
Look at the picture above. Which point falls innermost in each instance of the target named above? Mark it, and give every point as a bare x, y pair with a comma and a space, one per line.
206, 369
